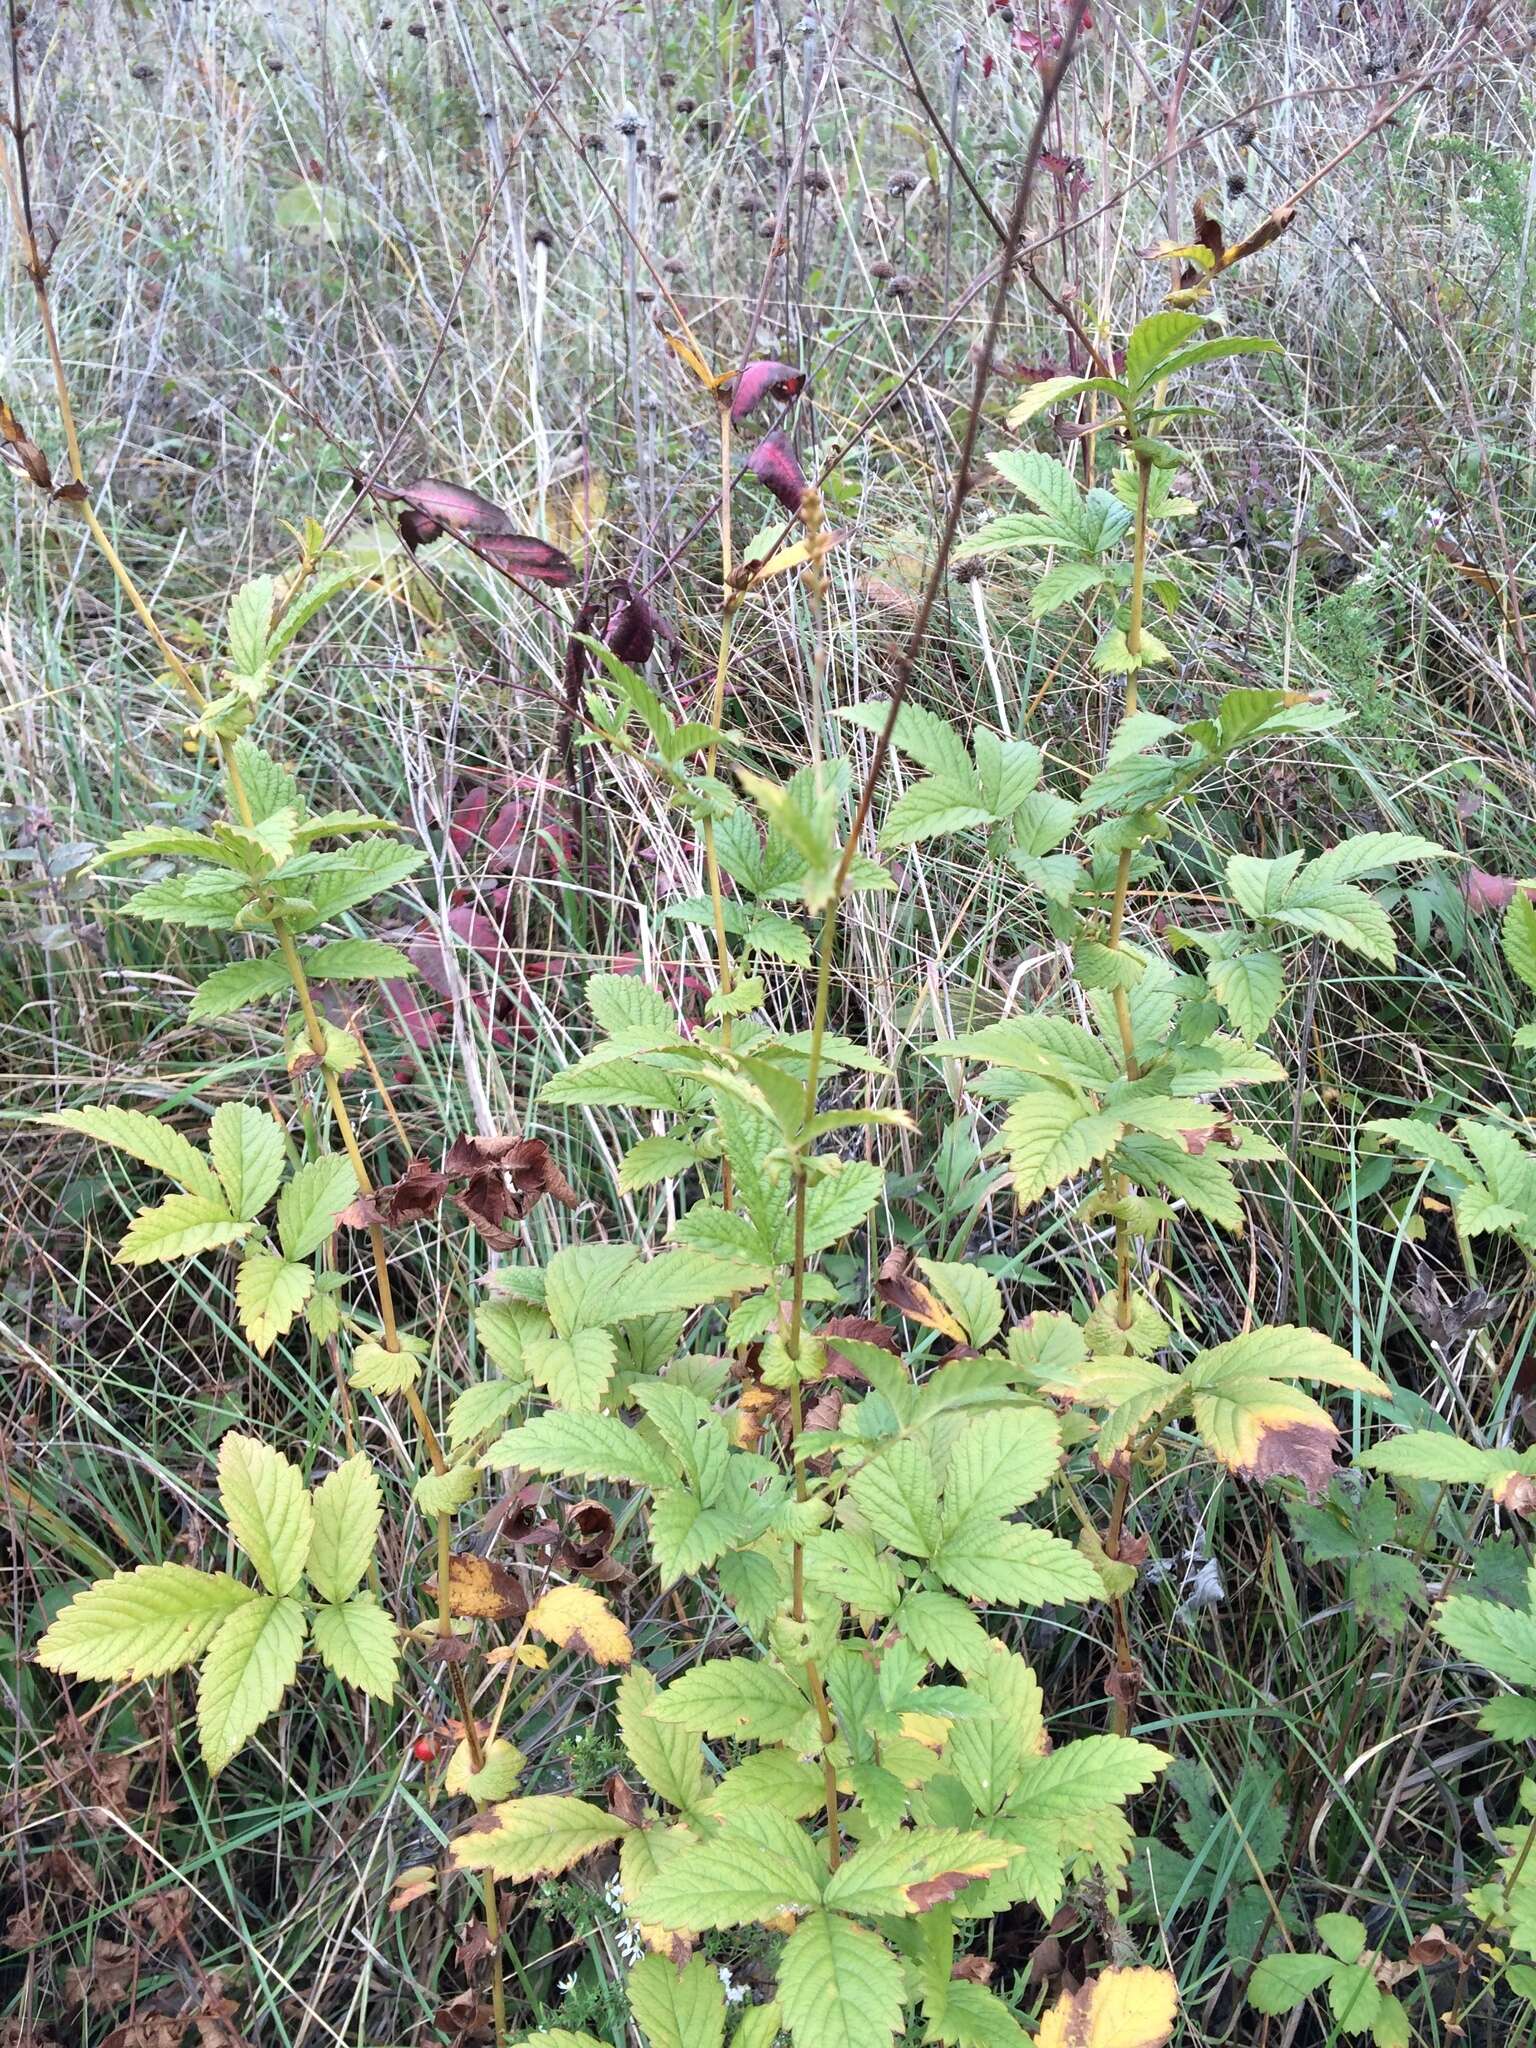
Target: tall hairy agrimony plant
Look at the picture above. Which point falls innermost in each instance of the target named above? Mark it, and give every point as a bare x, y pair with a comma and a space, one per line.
868, 1765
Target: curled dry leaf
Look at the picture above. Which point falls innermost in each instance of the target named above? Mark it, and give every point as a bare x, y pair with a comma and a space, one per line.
19, 449
624, 1800
587, 1545
433, 507
439, 1649
453, 508
1432, 1947
105, 1980
826, 1410
504, 1179
1196, 1138
775, 465
753, 1410
899, 1287
972, 1970
1515, 1493
522, 1520
148, 2030
417, 530
1124, 1688
410, 1199
633, 626
760, 380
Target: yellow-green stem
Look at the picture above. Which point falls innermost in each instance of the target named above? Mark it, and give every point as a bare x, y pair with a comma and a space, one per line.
724, 967
811, 512
1125, 1241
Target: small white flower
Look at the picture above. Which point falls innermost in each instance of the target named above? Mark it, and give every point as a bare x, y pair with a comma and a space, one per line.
566, 1985
735, 1993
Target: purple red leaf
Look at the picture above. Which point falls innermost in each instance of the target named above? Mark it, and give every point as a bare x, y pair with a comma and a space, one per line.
761, 380
774, 464
520, 554
455, 508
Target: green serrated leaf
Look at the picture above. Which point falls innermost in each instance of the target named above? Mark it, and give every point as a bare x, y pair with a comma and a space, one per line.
375, 1369
178, 1228
356, 1640
141, 1623
246, 1146
1280, 1982
269, 1294
144, 1138
1000, 1461
250, 1664
669, 1759
247, 624
732, 1696
347, 1510
1501, 1639
269, 1512
653, 1160
358, 960
232, 988
677, 2008
839, 1985
1517, 935
1051, 1137
758, 1865
987, 1559
444, 1493
1154, 340
309, 1205
897, 1494
535, 1837
575, 1370
581, 1447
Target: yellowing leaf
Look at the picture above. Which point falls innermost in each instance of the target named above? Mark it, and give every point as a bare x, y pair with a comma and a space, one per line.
375, 1370
793, 557
931, 1730
357, 1641
537, 1837
577, 1619
141, 1624
690, 355
1119, 2009
270, 1292
479, 1589
502, 1764
178, 1228
270, 1514
249, 1666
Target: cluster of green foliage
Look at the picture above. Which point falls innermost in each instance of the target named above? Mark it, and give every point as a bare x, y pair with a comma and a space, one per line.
867, 1767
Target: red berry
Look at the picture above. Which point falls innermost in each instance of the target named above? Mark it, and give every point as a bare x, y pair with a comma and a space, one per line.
424, 1749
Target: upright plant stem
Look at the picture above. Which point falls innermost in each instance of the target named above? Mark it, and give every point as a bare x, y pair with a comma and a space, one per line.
1125, 1239
811, 513
724, 967
906, 664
